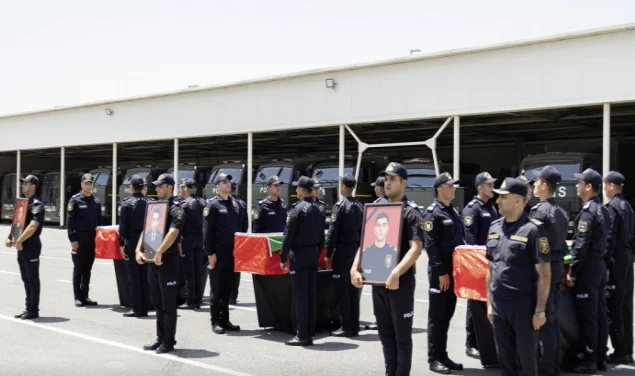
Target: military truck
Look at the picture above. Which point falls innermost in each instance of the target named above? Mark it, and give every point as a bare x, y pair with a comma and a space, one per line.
102, 189
51, 194
283, 169
421, 175
149, 174
236, 170
190, 171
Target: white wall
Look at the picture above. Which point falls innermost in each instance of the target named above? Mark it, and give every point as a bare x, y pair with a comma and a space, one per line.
588, 70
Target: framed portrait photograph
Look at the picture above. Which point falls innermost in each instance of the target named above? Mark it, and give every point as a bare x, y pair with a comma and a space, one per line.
154, 227
381, 239
19, 218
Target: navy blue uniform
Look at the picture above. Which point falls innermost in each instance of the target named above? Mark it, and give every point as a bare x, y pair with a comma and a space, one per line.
477, 215
513, 250
302, 243
342, 244
556, 224
29, 256
270, 216
592, 230
394, 309
221, 220
244, 226
621, 271
443, 232
193, 257
133, 210
82, 219
164, 284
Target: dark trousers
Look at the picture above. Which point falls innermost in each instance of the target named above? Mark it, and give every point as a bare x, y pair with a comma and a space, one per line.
628, 311
516, 339
83, 260
550, 332
394, 312
222, 279
347, 294
589, 303
194, 267
164, 286
616, 298
440, 312
304, 283
234, 293
29, 263
470, 333
138, 281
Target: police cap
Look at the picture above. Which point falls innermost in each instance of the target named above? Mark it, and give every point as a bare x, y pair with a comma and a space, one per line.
348, 180
590, 176
526, 179
444, 179
379, 182
164, 179
316, 183
483, 178
87, 177
304, 182
31, 179
137, 181
549, 174
615, 178
189, 183
395, 169
222, 176
511, 185
274, 180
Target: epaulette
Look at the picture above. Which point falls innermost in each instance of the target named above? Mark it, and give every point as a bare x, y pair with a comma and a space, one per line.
96, 200
213, 199
498, 220
535, 221
339, 202
471, 203
36, 201
76, 195
260, 202
128, 198
537, 205
413, 204
586, 206
431, 207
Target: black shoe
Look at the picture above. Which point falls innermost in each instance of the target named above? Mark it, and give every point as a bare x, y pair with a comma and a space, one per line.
342, 333
372, 326
617, 359
630, 359
603, 366
216, 328
135, 314
79, 303
228, 326
585, 367
30, 315
472, 353
197, 307
163, 349
88, 302
19, 315
152, 346
295, 341
451, 365
439, 367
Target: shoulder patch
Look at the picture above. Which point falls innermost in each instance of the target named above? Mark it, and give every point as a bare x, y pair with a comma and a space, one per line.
205, 212
254, 213
535, 221
427, 226
493, 236
70, 206
544, 245
583, 226
333, 217
179, 214
35, 209
467, 220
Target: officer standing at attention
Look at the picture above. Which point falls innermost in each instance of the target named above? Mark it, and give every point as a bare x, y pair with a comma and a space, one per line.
133, 210
315, 192
477, 215
164, 273
182, 190
271, 214
192, 243
221, 220
244, 227
621, 270
555, 222
379, 189
393, 304
82, 219
443, 232
29, 248
518, 281
587, 270
343, 241
301, 246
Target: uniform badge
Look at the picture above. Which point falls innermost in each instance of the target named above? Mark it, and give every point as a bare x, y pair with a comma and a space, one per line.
391, 166
255, 214
388, 261
333, 217
179, 214
234, 203
275, 177
69, 207
487, 175
583, 226
468, 221
447, 175
35, 210
544, 245
88, 177
205, 212
427, 226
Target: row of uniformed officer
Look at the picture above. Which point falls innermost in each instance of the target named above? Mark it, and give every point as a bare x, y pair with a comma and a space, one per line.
29, 247
194, 260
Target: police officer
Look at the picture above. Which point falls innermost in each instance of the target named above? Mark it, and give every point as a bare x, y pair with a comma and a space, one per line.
518, 279
193, 257
587, 270
164, 272
556, 223
301, 245
315, 192
343, 241
379, 189
443, 232
29, 247
529, 183
133, 210
393, 304
244, 226
621, 268
82, 219
477, 215
271, 213
222, 219
182, 190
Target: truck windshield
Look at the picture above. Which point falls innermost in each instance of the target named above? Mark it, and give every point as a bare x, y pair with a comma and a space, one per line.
284, 175
101, 179
421, 177
143, 174
235, 173
566, 169
330, 174
184, 174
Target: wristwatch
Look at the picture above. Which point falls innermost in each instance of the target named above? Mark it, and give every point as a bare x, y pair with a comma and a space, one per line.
540, 314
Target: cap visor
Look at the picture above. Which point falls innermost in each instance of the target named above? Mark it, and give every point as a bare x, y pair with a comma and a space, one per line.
501, 191
450, 182
277, 182
23, 180
389, 173
157, 182
579, 176
295, 183
373, 184
489, 181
